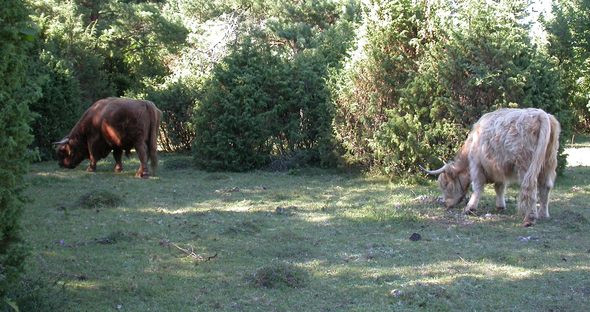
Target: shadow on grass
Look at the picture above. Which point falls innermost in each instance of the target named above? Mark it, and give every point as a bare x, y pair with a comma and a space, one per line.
350, 235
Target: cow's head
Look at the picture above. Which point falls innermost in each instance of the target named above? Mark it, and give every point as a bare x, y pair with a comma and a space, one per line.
453, 183
67, 154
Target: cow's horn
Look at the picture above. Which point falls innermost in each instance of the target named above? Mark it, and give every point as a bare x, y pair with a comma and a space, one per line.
435, 172
64, 141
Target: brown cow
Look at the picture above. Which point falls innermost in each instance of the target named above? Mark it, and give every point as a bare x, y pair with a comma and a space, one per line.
113, 124
508, 145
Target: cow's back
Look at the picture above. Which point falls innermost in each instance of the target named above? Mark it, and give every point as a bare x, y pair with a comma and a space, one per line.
121, 122
504, 142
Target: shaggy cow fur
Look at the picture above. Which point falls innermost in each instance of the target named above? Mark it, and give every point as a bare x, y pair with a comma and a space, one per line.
508, 145
113, 124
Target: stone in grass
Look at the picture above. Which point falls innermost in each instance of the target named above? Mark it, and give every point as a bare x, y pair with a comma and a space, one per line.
281, 276
415, 237
99, 199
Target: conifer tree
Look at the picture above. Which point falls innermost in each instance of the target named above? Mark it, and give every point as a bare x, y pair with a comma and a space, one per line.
569, 44
15, 33
428, 71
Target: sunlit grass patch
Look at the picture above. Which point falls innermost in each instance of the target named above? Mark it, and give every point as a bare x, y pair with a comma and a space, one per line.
371, 213
348, 236
579, 141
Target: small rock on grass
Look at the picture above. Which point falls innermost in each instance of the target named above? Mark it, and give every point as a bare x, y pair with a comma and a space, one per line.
415, 237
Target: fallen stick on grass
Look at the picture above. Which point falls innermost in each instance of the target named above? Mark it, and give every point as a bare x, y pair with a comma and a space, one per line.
192, 254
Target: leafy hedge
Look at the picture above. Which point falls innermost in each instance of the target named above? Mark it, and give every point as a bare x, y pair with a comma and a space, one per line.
412, 92
176, 100
233, 121
268, 99
58, 108
15, 31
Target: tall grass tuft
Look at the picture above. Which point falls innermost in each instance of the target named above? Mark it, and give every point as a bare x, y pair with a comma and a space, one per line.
281, 276
38, 294
99, 199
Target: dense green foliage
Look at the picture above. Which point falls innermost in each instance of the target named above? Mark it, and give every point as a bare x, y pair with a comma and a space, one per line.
58, 107
380, 85
246, 84
423, 78
231, 122
373, 79
89, 50
268, 98
15, 32
569, 44
176, 100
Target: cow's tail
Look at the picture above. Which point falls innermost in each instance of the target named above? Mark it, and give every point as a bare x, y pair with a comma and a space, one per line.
155, 120
547, 143
553, 148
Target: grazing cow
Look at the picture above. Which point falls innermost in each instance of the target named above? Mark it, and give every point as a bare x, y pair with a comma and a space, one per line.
113, 124
508, 145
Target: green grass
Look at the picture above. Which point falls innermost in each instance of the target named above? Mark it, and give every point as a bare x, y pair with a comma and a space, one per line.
188, 240
579, 141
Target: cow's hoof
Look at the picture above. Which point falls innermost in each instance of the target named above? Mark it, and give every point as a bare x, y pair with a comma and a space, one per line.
90, 169
500, 208
143, 175
118, 169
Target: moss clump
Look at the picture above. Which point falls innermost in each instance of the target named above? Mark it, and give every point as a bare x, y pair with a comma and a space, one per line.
281, 276
120, 236
99, 199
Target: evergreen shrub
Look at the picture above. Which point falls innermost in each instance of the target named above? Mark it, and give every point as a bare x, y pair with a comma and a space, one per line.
416, 86
15, 32
58, 108
176, 100
258, 107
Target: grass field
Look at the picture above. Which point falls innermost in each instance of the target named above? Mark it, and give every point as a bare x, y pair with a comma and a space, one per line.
308, 240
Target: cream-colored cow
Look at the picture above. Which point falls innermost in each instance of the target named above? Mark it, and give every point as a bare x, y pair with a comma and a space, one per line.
508, 145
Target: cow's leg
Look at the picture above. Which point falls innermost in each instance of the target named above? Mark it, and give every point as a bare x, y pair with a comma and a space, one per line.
474, 199
545, 185
118, 153
477, 176
544, 192
500, 191
92, 166
143, 172
527, 203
